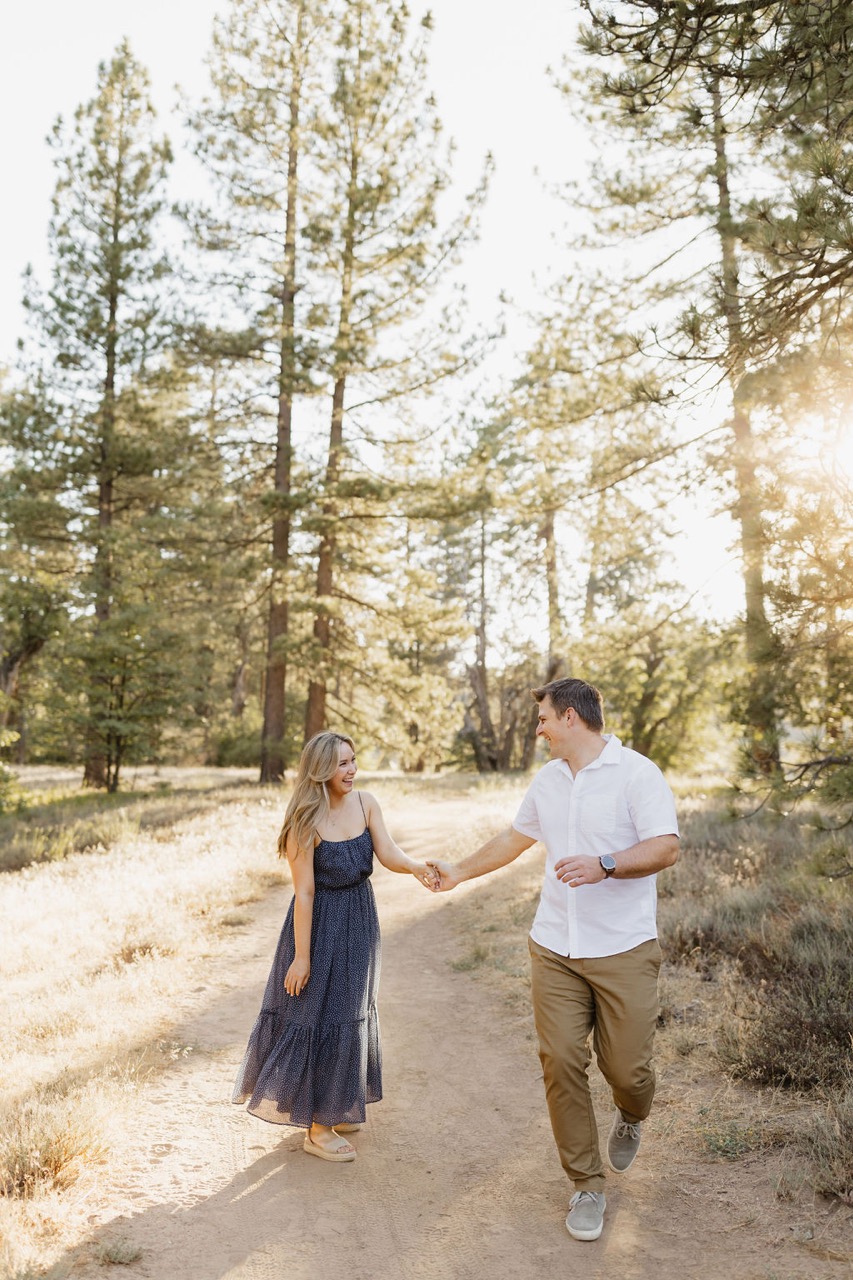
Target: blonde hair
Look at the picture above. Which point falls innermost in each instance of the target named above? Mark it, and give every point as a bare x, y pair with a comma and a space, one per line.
309, 803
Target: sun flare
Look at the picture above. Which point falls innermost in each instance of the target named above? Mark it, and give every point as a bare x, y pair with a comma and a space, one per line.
826, 448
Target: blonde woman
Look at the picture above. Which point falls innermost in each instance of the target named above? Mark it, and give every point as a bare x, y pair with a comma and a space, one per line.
314, 1057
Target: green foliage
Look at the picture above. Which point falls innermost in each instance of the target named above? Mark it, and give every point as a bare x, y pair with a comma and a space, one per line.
236, 744
103, 428
9, 793
726, 1139
707, 97
328, 167
663, 679
113, 499
182, 543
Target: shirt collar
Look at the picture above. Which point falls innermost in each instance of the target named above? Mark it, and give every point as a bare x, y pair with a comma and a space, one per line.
610, 754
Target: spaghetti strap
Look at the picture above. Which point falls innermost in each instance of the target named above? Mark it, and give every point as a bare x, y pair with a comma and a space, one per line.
361, 802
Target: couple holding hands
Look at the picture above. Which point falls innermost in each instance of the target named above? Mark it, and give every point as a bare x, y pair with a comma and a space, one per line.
607, 819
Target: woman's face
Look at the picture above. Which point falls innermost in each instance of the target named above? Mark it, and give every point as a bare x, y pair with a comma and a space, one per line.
340, 784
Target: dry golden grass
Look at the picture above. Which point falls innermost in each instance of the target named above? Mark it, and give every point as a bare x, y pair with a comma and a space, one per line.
99, 940
97, 945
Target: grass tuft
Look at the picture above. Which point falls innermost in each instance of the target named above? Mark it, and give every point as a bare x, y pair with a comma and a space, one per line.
728, 1140
828, 1141
119, 1253
47, 1141
791, 1006
477, 956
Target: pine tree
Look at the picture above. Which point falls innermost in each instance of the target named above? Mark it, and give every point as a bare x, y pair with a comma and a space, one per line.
36, 560
253, 135
687, 144
377, 244
116, 426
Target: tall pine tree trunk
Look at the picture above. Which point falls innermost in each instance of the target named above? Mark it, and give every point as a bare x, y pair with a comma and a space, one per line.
555, 660
273, 757
482, 734
761, 708
315, 710
552, 579
97, 767
596, 553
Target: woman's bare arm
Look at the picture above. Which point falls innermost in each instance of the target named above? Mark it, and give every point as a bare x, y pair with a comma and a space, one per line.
302, 871
387, 851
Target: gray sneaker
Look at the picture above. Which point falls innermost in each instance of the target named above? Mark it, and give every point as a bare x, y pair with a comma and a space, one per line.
586, 1215
622, 1144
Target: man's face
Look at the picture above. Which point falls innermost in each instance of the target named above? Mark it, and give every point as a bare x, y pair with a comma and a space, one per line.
556, 730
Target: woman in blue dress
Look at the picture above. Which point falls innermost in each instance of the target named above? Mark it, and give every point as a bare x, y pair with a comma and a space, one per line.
314, 1057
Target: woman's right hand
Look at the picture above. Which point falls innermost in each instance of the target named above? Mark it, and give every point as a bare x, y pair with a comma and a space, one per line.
296, 976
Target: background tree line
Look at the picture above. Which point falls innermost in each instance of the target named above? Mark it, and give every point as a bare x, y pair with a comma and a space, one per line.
250, 486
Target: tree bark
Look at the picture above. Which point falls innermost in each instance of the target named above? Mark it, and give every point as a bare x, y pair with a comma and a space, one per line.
761, 705
273, 753
555, 661
315, 710
95, 772
643, 726
593, 576
483, 740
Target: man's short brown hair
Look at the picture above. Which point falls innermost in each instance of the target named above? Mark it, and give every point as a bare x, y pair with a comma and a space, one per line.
585, 698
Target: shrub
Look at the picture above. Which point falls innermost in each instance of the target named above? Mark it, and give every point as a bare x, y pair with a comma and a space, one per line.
9, 790
237, 747
718, 926
47, 1141
828, 1141
120, 1253
791, 1023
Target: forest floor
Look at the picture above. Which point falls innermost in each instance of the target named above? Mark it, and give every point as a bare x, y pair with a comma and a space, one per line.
457, 1175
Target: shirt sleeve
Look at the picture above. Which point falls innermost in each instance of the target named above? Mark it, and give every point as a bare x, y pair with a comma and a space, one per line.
652, 804
526, 821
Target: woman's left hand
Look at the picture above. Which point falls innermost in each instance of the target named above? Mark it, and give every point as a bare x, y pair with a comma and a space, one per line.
425, 874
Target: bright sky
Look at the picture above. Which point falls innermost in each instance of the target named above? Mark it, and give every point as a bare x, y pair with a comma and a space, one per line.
489, 74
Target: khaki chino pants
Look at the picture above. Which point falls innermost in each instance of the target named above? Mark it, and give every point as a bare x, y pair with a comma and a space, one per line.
615, 998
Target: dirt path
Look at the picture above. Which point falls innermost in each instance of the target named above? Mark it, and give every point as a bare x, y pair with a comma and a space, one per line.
456, 1176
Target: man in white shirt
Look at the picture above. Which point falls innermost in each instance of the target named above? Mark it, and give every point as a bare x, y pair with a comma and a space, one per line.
607, 818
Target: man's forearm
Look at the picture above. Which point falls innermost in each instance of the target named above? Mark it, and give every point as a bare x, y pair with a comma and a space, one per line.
497, 852
646, 857
642, 859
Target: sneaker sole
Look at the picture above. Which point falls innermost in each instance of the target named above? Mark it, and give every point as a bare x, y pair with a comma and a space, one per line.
626, 1167
585, 1235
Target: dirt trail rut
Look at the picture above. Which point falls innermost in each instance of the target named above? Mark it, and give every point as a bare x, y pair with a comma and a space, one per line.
456, 1175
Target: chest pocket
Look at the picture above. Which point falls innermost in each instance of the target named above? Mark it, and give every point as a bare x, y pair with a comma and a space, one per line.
598, 816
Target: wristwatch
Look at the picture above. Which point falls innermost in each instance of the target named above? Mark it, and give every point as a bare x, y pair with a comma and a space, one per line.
608, 863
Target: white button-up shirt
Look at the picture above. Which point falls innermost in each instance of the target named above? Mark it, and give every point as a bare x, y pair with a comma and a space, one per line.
614, 802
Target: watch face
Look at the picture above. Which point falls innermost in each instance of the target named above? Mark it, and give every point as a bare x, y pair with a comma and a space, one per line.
608, 862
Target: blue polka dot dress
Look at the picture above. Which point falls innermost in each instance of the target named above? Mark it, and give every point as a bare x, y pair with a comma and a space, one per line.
317, 1056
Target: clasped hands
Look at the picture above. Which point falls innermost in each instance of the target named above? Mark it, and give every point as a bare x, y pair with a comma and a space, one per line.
428, 875
579, 869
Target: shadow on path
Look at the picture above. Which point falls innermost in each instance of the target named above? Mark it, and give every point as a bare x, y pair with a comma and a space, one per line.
455, 1176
